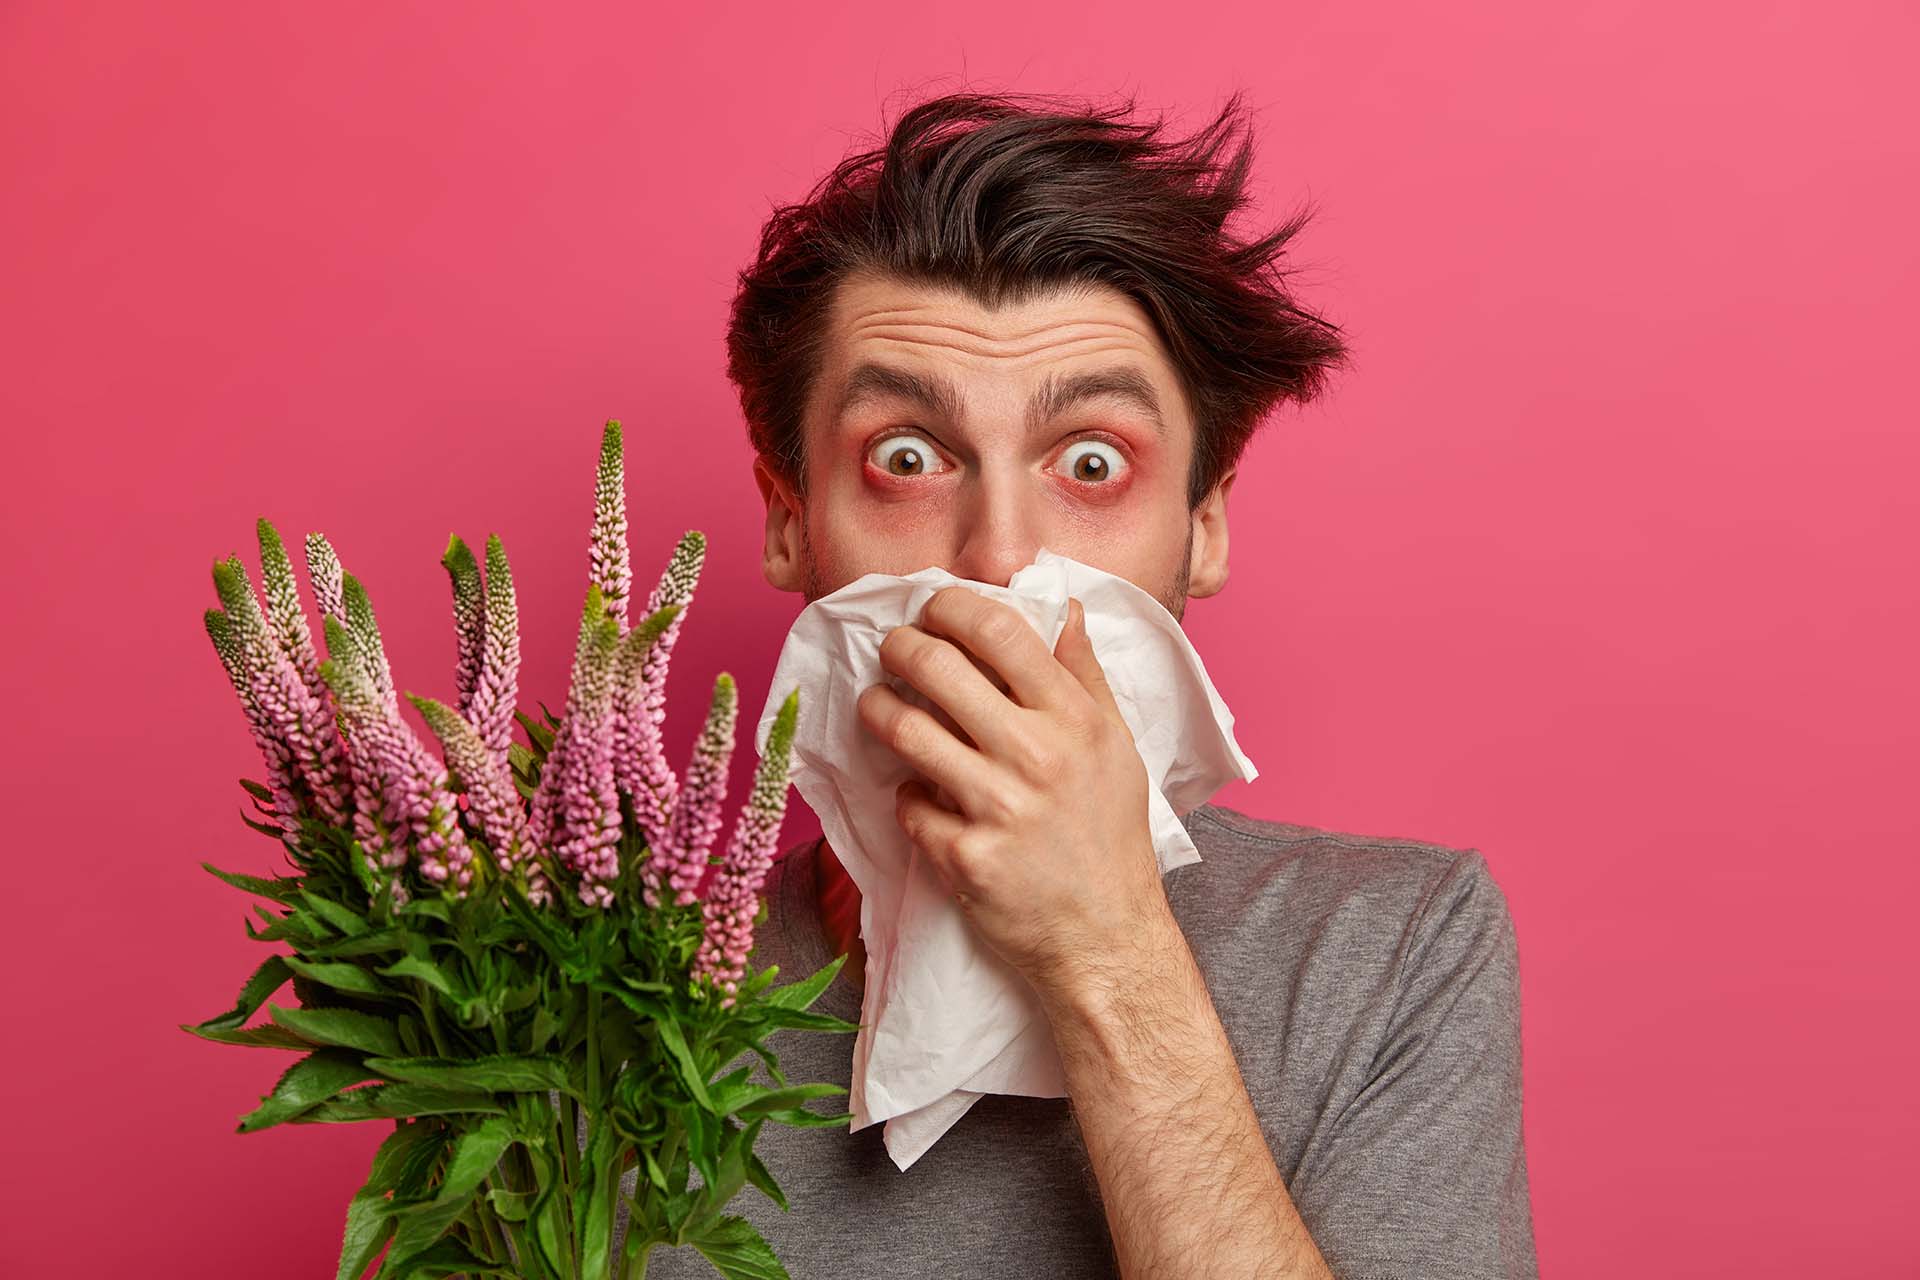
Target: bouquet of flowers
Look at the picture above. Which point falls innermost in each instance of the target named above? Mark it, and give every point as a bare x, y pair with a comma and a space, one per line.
500, 950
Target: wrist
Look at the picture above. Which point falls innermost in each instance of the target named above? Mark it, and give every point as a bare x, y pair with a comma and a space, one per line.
1115, 1003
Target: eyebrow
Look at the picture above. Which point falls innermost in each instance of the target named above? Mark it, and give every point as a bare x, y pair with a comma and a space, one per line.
936, 394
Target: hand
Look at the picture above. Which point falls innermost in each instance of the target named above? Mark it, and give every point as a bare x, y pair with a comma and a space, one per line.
1046, 843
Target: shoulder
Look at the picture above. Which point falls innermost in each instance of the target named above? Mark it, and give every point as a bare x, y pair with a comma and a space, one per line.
1424, 902
1396, 867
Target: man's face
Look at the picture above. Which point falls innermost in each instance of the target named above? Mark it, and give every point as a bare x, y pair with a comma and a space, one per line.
940, 433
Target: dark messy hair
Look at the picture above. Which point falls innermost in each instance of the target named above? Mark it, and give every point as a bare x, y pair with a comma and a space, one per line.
1005, 196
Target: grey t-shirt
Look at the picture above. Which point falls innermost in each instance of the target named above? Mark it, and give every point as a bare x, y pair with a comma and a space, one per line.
1369, 987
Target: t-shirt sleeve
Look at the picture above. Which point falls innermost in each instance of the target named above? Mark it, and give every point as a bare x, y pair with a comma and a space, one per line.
1425, 1173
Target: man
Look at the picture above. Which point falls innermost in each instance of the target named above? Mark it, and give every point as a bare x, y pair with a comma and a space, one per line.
1011, 328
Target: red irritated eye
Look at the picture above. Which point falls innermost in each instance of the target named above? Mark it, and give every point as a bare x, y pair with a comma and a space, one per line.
1092, 462
903, 455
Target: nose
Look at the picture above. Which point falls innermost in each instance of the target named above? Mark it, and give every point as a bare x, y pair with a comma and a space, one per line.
998, 531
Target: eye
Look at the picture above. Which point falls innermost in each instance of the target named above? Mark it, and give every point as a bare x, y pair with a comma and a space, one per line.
1093, 461
904, 455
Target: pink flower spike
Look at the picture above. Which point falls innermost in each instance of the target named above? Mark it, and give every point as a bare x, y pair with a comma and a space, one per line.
733, 901
576, 808
469, 622
290, 712
493, 802
497, 691
676, 587
680, 859
639, 760
324, 572
401, 788
608, 559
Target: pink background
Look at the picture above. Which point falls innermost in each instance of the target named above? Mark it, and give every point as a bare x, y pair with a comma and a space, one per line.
1602, 560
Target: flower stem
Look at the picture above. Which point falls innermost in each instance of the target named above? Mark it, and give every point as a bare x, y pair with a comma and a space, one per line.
593, 1049
490, 1223
569, 1135
527, 1173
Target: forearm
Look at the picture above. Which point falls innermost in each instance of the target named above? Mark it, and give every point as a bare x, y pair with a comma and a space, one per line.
1188, 1184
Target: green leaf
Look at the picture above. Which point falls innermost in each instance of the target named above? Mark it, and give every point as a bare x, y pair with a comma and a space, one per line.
736, 1250
368, 1220
263, 1037
398, 1102
373, 942
341, 977
548, 1212
544, 1028
267, 979
807, 1021
432, 908
802, 994
348, 1028
418, 1177
801, 1118
503, 1072
426, 971
676, 1043
538, 734
724, 1090
784, 1099
447, 1258
418, 1226
772, 1060
732, 1174
601, 1193
676, 1210
758, 1175
263, 828
343, 918
753, 986
280, 889
308, 1082
510, 1206
277, 927
703, 1143
654, 1173
645, 1006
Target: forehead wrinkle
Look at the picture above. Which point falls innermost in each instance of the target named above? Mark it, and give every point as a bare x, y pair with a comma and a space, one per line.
1014, 346
935, 393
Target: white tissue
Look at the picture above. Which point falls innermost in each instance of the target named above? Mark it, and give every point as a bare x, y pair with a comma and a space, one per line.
944, 1018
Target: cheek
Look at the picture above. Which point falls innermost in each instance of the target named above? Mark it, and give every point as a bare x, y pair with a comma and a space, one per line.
875, 507
852, 534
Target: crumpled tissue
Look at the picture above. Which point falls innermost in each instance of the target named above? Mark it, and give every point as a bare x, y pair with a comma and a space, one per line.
944, 1020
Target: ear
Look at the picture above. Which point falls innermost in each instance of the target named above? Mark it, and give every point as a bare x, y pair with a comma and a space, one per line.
1207, 561
780, 557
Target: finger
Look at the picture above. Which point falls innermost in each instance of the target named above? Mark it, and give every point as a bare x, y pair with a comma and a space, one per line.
1074, 649
930, 827
923, 742
997, 634
951, 679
